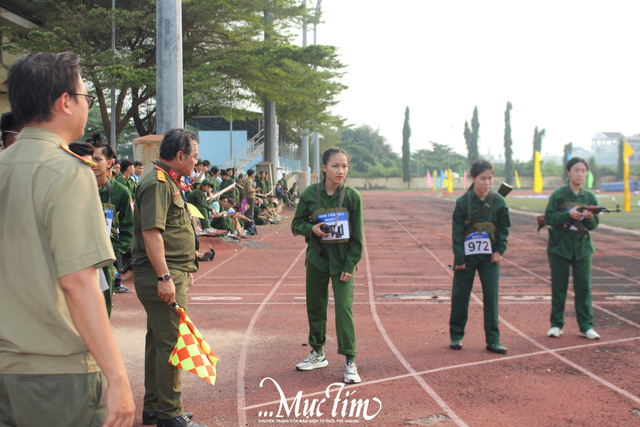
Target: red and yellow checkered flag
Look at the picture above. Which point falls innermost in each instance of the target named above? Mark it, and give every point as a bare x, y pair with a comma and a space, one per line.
192, 353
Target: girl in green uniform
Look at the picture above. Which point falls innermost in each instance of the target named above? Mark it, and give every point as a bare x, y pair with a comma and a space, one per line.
570, 245
329, 215
479, 235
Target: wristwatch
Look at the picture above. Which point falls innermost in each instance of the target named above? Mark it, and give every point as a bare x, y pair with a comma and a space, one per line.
164, 278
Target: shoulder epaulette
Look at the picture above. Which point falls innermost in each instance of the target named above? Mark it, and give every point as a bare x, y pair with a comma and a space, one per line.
161, 176
82, 159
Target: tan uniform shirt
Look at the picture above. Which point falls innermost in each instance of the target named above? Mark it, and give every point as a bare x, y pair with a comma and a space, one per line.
159, 204
51, 225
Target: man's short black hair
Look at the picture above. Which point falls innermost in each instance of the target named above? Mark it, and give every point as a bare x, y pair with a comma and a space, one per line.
125, 164
81, 148
223, 173
214, 170
7, 122
95, 139
107, 151
251, 172
206, 163
35, 81
176, 140
137, 163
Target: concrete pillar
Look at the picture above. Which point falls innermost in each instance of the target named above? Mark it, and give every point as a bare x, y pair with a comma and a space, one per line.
170, 109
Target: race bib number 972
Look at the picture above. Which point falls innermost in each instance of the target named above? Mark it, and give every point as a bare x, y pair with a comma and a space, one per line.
477, 243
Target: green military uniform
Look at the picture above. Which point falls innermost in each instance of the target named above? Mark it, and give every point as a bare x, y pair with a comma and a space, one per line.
52, 226
495, 222
160, 204
198, 199
569, 248
115, 197
129, 183
337, 257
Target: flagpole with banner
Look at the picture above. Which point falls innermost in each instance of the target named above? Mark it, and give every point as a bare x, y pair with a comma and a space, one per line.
192, 353
626, 152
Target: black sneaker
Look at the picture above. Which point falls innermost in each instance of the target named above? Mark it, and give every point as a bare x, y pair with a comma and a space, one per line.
151, 418
497, 348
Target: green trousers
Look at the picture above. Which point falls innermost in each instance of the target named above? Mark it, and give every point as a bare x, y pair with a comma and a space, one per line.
581, 287
53, 400
317, 302
163, 390
222, 223
109, 272
461, 293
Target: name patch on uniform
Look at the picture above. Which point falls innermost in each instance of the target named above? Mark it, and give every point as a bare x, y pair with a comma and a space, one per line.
109, 215
339, 221
477, 243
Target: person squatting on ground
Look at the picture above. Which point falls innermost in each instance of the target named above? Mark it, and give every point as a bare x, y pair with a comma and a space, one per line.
570, 246
331, 255
479, 236
164, 248
55, 337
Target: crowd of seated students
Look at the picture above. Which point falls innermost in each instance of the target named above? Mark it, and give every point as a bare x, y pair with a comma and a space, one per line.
226, 211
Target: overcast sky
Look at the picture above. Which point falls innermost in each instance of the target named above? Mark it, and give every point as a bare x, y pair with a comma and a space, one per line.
570, 67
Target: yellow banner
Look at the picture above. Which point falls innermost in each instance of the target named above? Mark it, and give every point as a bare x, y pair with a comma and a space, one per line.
517, 179
626, 152
538, 183
450, 183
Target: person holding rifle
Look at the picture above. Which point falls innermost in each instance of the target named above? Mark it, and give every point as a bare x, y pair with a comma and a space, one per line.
570, 246
479, 235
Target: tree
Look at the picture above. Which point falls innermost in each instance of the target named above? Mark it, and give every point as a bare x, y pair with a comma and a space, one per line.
406, 149
537, 141
508, 151
620, 171
368, 149
225, 57
471, 136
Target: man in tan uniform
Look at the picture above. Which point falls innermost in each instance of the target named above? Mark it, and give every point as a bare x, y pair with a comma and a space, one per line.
164, 248
54, 329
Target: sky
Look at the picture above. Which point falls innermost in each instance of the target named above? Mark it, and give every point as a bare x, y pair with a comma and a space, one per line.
569, 67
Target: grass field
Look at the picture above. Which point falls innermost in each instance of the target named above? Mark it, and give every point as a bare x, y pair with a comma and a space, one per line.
523, 200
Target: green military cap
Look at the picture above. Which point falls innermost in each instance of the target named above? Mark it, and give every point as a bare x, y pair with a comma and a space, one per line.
206, 182
200, 162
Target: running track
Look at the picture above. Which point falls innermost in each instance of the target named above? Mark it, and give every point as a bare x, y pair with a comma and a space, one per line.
249, 304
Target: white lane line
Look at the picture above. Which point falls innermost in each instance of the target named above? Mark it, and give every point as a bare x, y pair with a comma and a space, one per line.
396, 352
452, 367
202, 276
242, 359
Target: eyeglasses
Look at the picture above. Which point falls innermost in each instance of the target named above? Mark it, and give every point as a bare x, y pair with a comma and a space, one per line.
196, 158
90, 98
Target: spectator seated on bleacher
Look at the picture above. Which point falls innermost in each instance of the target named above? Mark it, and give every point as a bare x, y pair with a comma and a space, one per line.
281, 194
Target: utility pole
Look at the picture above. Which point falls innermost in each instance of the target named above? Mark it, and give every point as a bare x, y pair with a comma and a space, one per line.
112, 139
270, 120
316, 142
170, 110
304, 143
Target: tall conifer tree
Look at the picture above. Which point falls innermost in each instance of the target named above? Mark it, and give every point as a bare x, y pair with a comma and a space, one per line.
406, 149
537, 141
508, 151
471, 136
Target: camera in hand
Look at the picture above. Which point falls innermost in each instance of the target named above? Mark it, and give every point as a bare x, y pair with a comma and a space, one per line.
332, 229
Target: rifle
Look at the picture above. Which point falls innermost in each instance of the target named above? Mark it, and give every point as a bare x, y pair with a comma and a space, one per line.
598, 209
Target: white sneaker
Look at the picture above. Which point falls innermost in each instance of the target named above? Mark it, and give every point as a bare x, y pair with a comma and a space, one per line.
314, 361
351, 373
590, 334
554, 332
